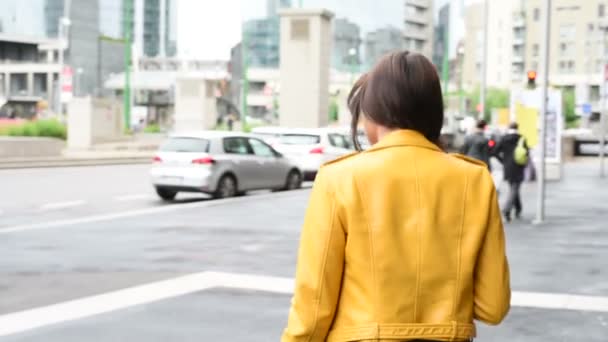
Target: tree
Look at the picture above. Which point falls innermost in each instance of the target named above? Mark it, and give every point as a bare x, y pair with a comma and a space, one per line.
568, 99
495, 98
333, 109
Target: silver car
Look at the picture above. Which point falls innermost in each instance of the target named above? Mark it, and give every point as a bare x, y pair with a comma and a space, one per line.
222, 164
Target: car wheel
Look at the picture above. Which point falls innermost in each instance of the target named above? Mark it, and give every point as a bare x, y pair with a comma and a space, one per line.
294, 180
166, 194
226, 187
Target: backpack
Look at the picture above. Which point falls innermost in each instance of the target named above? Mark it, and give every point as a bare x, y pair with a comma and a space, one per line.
520, 154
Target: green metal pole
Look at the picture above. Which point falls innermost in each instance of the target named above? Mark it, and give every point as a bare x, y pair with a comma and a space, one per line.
128, 22
245, 66
445, 72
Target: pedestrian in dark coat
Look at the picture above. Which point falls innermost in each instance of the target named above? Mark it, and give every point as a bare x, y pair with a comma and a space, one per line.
513, 172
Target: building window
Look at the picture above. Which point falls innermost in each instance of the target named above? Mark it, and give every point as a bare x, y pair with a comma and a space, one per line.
562, 67
535, 50
601, 10
535, 66
567, 31
571, 66
590, 27
536, 14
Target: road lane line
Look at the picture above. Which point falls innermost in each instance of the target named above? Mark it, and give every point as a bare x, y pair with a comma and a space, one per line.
22, 321
61, 205
81, 308
139, 212
126, 198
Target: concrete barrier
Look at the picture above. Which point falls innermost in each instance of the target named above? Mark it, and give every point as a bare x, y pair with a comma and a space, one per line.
30, 147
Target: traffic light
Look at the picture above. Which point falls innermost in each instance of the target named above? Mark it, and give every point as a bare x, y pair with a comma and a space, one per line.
531, 79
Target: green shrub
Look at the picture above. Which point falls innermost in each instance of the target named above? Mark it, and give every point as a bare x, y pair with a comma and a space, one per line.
40, 128
152, 129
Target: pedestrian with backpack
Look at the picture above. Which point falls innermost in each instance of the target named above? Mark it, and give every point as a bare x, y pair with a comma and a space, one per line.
513, 152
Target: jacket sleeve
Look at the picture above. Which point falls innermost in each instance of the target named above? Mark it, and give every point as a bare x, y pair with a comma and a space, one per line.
492, 294
319, 270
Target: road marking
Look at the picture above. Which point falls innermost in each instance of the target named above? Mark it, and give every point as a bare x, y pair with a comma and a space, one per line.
18, 322
90, 306
139, 212
61, 205
126, 198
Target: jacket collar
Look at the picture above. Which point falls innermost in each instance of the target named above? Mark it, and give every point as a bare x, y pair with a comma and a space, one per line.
404, 137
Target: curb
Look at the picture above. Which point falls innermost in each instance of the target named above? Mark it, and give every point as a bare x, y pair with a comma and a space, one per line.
71, 162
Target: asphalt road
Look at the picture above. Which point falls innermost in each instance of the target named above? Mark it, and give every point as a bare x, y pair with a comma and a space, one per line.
75, 233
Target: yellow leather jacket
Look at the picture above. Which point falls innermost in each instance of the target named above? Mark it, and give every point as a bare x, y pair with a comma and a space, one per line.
400, 242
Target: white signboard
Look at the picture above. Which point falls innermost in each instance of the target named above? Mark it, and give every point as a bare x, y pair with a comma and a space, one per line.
531, 99
67, 88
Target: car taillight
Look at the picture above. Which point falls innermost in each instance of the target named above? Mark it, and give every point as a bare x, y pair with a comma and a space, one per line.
491, 143
317, 150
157, 160
203, 161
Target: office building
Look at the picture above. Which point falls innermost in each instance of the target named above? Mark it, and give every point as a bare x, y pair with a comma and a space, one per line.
261, 36
25, 18
154, 27
346, 44
418, 26
380, 42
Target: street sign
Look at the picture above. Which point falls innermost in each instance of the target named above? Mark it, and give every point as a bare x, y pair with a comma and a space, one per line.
586, 107
67, 76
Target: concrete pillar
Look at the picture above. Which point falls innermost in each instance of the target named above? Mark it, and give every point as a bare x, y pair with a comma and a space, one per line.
50, 88
195, 105
7, 84
29, 83
305, 61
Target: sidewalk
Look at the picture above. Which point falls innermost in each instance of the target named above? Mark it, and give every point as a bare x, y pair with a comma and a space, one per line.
138, 149
570, 248
567, 254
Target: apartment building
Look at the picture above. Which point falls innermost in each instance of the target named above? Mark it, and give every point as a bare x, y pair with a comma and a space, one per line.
418, 26
515, 38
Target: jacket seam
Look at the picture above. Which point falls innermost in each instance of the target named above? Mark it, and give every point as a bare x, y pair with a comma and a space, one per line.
324, 265
371, 251
418, 243
459, 257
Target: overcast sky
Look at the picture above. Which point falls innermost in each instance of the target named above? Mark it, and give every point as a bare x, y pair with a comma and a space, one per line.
209, 28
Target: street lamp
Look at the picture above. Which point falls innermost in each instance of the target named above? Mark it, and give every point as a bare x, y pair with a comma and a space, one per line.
604, 28
460, 81
352, 52
62, 33
79, 73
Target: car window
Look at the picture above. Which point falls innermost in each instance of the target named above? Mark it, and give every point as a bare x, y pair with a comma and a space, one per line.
185, 145
338, 140
236, 146
300, 139
261, 149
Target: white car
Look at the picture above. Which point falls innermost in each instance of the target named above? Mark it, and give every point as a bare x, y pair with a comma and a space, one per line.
222, 164
309, 148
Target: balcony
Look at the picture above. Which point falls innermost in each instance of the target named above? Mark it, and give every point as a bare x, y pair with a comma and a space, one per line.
418, 3
519, 21
518, 41
518, 59
416, 34
417, 18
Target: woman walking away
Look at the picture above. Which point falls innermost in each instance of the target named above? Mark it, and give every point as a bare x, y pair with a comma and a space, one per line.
402, 242
513, 153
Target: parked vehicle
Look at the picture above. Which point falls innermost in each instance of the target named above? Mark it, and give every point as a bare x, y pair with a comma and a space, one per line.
309, 148
222, 164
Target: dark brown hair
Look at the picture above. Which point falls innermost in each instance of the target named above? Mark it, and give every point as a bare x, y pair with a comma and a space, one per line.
402, 91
